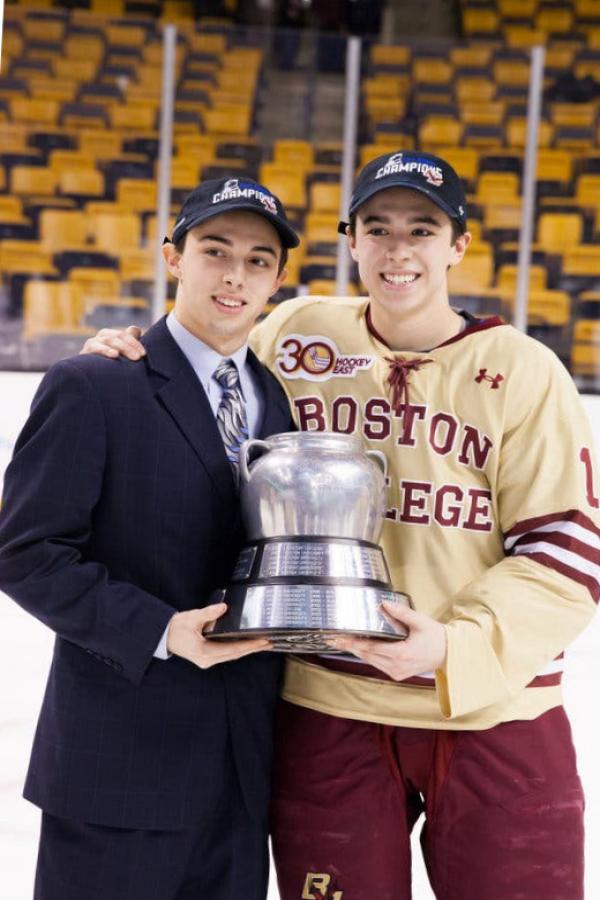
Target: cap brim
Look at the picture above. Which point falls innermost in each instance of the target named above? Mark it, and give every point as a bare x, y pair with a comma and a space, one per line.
392, 182
289, 238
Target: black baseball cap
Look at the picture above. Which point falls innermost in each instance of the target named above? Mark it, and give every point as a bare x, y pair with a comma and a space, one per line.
221, 195
423, 172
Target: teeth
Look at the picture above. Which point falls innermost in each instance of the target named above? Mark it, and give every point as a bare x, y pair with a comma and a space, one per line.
399, 279
227, 301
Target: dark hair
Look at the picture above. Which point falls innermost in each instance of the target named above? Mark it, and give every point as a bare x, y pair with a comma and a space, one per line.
282, 259
456, 229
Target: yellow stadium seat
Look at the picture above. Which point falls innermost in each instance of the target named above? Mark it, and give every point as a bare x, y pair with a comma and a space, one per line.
132, 117
25, 256
549, 308
502, 217
573, 114
557, 231
287, 184
14, 137
582, 259
116, 231
194, 144
137, 193
517, 9
201, 42
320, 228
554, 21
232, 119
33, 180
482, 112
469, 89
138, 263
471, 56
555, 165
245, 59
62, 229
480, 21
440, 131
476, 271
585, 359
151, 230
38, 112
87, 47
11, 209
100, 144
50, 306
69, 161
511, 72
86, 182
587, 191
77, 69
61, 90
185, 172
298, 154
508, 274
432, 71
516, 132
497, 187
43, 29
384, 55
325, 197
465, 160
95, 285
385, 109
125, 35
523, 36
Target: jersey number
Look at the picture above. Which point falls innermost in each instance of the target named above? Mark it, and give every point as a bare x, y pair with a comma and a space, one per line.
586, 458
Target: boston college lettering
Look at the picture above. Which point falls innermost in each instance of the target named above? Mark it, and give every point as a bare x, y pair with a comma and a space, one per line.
450, 506
442, 431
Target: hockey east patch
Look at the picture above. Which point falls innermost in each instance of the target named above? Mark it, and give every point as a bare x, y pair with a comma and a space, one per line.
317, 358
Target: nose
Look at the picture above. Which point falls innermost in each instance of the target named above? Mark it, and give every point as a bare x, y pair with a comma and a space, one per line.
233, 276
399, 249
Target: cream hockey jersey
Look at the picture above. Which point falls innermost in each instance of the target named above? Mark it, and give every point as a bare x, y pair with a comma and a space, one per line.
492, 522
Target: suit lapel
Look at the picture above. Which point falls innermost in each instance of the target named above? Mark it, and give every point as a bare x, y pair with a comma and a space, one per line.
178, 390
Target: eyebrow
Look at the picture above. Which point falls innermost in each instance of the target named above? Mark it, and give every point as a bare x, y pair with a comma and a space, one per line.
223, 240
424, 219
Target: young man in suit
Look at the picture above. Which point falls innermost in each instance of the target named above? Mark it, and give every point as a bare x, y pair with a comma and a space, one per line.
151, 760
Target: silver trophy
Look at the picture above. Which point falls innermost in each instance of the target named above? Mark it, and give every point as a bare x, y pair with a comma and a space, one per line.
313, 506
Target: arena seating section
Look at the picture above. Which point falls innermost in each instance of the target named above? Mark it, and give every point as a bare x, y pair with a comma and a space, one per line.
79, 108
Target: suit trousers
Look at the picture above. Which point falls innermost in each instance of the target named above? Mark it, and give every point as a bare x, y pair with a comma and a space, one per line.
223, 857
503, 809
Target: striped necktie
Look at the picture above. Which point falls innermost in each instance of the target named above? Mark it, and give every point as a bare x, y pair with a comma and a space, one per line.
232, 420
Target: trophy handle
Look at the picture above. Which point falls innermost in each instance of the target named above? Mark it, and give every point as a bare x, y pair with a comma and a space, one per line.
245, 449
380, 458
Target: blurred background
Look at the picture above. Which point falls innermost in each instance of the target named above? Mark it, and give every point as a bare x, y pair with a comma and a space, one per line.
111, 111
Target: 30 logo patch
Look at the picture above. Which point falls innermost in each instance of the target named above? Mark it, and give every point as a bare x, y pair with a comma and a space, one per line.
316, 358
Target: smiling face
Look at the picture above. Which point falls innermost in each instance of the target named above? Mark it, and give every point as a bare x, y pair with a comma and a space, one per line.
403, 244
227, 271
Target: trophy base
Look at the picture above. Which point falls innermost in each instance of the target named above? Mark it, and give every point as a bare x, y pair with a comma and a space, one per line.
301, 617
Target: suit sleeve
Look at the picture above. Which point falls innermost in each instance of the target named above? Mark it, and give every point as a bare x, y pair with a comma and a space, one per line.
51, 487
511, 625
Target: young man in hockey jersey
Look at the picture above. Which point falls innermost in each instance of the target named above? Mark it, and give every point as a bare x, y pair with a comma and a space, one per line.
492, 527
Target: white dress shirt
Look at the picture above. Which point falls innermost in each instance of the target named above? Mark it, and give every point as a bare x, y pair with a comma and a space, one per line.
204, 361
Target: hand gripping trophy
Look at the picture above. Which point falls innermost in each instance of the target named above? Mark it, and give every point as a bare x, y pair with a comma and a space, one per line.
313, 506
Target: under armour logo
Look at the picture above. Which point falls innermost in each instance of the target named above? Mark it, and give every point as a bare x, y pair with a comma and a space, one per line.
494, 380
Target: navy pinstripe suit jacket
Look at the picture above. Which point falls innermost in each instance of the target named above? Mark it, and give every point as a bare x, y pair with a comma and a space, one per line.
119, 509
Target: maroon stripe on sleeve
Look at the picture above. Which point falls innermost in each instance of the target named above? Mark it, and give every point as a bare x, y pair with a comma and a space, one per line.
570, 515
586, 580
566, 541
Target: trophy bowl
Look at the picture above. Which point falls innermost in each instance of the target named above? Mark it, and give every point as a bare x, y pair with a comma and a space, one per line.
313, 506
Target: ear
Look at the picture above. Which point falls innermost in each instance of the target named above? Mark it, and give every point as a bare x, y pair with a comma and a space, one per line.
172, 258
351, 238
460, 247
279, 281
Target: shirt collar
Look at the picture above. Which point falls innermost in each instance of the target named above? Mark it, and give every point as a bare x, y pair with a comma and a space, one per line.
202, 358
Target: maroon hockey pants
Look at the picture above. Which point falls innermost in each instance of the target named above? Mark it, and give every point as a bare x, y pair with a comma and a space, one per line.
503, 809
